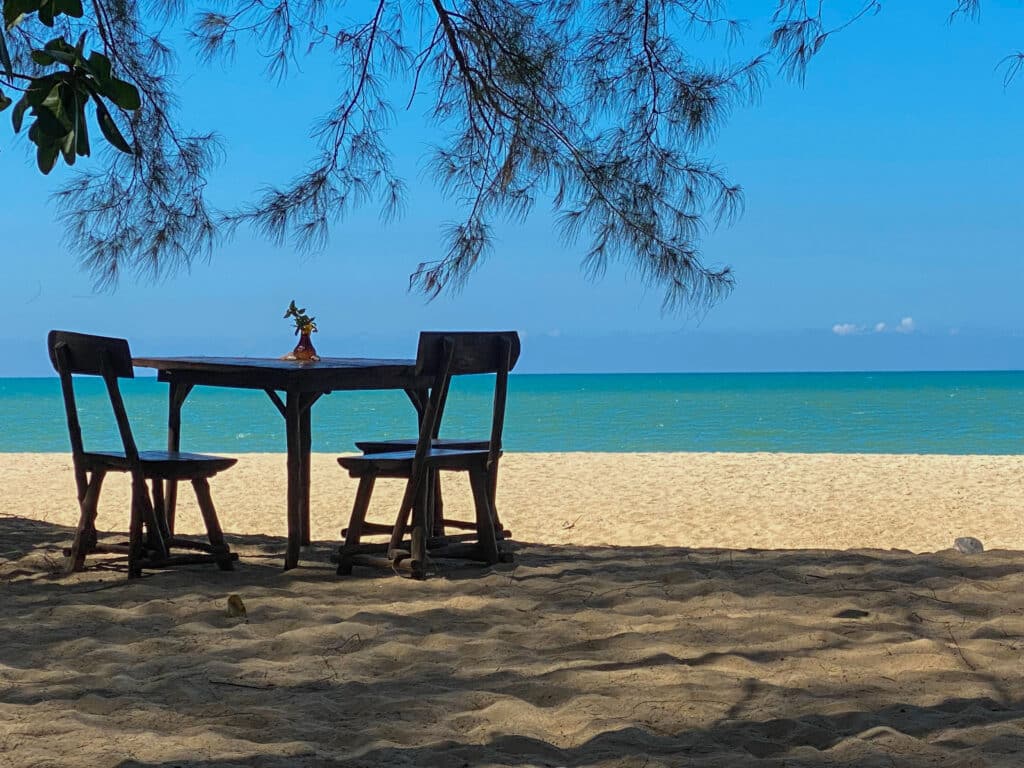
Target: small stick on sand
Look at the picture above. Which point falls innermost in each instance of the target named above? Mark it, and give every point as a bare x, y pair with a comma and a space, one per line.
234, 684
960, 651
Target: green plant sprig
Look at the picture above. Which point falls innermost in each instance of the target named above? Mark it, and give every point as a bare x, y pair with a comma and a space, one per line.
303, 322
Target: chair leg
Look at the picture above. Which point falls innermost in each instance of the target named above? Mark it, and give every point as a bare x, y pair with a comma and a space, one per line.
136, 547
484, 516
170, 505
492, 492
355, 524
409, 501
85, 536
160, 510
213, 530
154, 539
437, 504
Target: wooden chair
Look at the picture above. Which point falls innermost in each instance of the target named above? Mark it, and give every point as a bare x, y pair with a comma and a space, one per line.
76, 353
440, 356
433, 478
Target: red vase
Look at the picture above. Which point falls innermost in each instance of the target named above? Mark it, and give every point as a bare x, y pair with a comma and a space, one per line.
305, 350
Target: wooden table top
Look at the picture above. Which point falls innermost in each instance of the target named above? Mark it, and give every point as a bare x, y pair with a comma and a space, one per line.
264, 363
324, 375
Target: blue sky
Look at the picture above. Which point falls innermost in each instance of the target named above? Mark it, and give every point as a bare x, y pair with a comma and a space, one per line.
883, 230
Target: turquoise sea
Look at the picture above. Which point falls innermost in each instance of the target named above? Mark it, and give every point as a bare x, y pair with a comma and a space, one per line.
956, 413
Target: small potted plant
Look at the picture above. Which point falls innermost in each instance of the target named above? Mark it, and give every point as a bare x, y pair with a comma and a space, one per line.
304, 325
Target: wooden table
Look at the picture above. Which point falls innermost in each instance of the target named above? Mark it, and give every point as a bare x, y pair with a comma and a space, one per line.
303, 383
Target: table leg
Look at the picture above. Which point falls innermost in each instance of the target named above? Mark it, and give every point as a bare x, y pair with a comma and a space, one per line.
176, 399
296, 474
306, 447
418, 398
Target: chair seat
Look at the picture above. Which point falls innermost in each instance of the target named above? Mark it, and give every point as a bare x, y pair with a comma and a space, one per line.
399, 463
168, 465
409, 444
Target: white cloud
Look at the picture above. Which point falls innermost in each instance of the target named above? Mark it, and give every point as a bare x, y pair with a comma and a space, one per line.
905, 325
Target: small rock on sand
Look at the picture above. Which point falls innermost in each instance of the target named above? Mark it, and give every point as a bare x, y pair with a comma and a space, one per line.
236, 608
968, 545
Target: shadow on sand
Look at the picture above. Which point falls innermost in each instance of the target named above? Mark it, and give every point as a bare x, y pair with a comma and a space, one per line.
573, 656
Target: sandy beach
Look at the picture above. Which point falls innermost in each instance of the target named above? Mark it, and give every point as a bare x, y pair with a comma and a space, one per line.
663, 609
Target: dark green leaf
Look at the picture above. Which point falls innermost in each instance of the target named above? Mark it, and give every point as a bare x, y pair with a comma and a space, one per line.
46, 13
67, 148
15, 9
50, 124
110, 129
5, 101
81, 130
63, 57
69, 104
72, 8
46, 156
122, 93
57, 49
99, 66
42, 58
58, 44
40, 89
73, 102
54, 104
19, 113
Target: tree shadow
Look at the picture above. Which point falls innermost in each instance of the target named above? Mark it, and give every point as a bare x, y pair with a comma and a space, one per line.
570, 656
856, 737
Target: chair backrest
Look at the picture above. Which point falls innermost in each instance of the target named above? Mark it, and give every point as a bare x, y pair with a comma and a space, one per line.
446, 354
79, 353
473, 351
88, 354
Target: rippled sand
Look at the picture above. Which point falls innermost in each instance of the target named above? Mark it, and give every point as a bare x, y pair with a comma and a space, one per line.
664, 609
